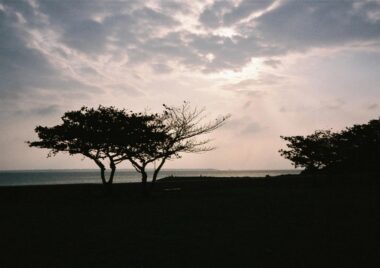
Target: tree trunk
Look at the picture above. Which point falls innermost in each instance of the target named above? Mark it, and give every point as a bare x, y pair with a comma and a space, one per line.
110, 179
107, 183
144, 181
144, 176
102, 171
156, 171
113, 169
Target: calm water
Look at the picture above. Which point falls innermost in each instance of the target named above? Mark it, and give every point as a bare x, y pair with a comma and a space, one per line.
40, 177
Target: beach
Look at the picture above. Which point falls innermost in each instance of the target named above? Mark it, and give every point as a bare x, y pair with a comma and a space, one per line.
284, 221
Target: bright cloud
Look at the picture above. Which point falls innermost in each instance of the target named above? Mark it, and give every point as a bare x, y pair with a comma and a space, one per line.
280, 67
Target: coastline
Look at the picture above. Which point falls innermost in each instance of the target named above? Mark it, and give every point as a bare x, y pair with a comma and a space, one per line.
50, 177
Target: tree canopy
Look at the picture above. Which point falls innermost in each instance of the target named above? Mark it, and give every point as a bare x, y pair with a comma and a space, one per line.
105, 133
355, 148
108, 135
182, 126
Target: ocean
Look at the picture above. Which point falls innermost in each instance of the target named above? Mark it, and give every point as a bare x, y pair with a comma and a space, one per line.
74, 176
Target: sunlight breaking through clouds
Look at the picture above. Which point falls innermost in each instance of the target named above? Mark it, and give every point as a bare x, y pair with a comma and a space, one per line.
290, 60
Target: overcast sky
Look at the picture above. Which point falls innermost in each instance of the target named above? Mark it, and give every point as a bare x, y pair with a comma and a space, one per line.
278, 67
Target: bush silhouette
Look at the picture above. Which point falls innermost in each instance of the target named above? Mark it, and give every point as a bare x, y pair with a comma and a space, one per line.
355, 148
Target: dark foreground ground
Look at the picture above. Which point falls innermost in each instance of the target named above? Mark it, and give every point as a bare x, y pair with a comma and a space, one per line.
273, 222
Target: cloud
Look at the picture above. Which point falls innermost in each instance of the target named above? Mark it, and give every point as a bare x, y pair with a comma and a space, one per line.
57, 55
298, 25
334, 104
244, 9
212, 16
147, 34
272, 63
88, 36
251, 128
23, 68
144, 32
291, 26
244, 125
59, 46
82, 36
226, 13
373, 106
265, 79
40, 111
161, 68
93, 26
126, 89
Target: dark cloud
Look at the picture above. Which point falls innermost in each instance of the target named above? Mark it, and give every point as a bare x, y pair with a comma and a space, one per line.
149, 35
23, 69
293, 26
225, 13
212, 16
88, 26
23, 8
298, 25
230, 52
171, 45
134, 35
175, 6
151, 17
70, 11
132, 27
87, 36
245, 9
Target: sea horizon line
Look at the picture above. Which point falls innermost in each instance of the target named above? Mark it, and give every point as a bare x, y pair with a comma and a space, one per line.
150, 169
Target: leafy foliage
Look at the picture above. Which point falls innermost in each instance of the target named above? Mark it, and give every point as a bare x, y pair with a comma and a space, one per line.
355, 148
105, 133
108, 134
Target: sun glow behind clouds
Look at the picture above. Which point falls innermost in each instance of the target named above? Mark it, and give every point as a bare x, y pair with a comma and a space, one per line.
259, 60
226, 32
250, 71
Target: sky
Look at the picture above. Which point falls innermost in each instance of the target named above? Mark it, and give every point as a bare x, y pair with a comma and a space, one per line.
279, 67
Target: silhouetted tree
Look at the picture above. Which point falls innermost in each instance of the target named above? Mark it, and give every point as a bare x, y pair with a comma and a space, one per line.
312, 152
358, 148
145, 150
106, 133
355, 148
113, 135
182, 127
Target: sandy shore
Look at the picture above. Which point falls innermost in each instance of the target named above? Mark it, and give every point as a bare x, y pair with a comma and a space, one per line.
288, 221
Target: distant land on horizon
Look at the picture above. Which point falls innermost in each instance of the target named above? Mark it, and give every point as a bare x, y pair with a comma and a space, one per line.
149, 169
